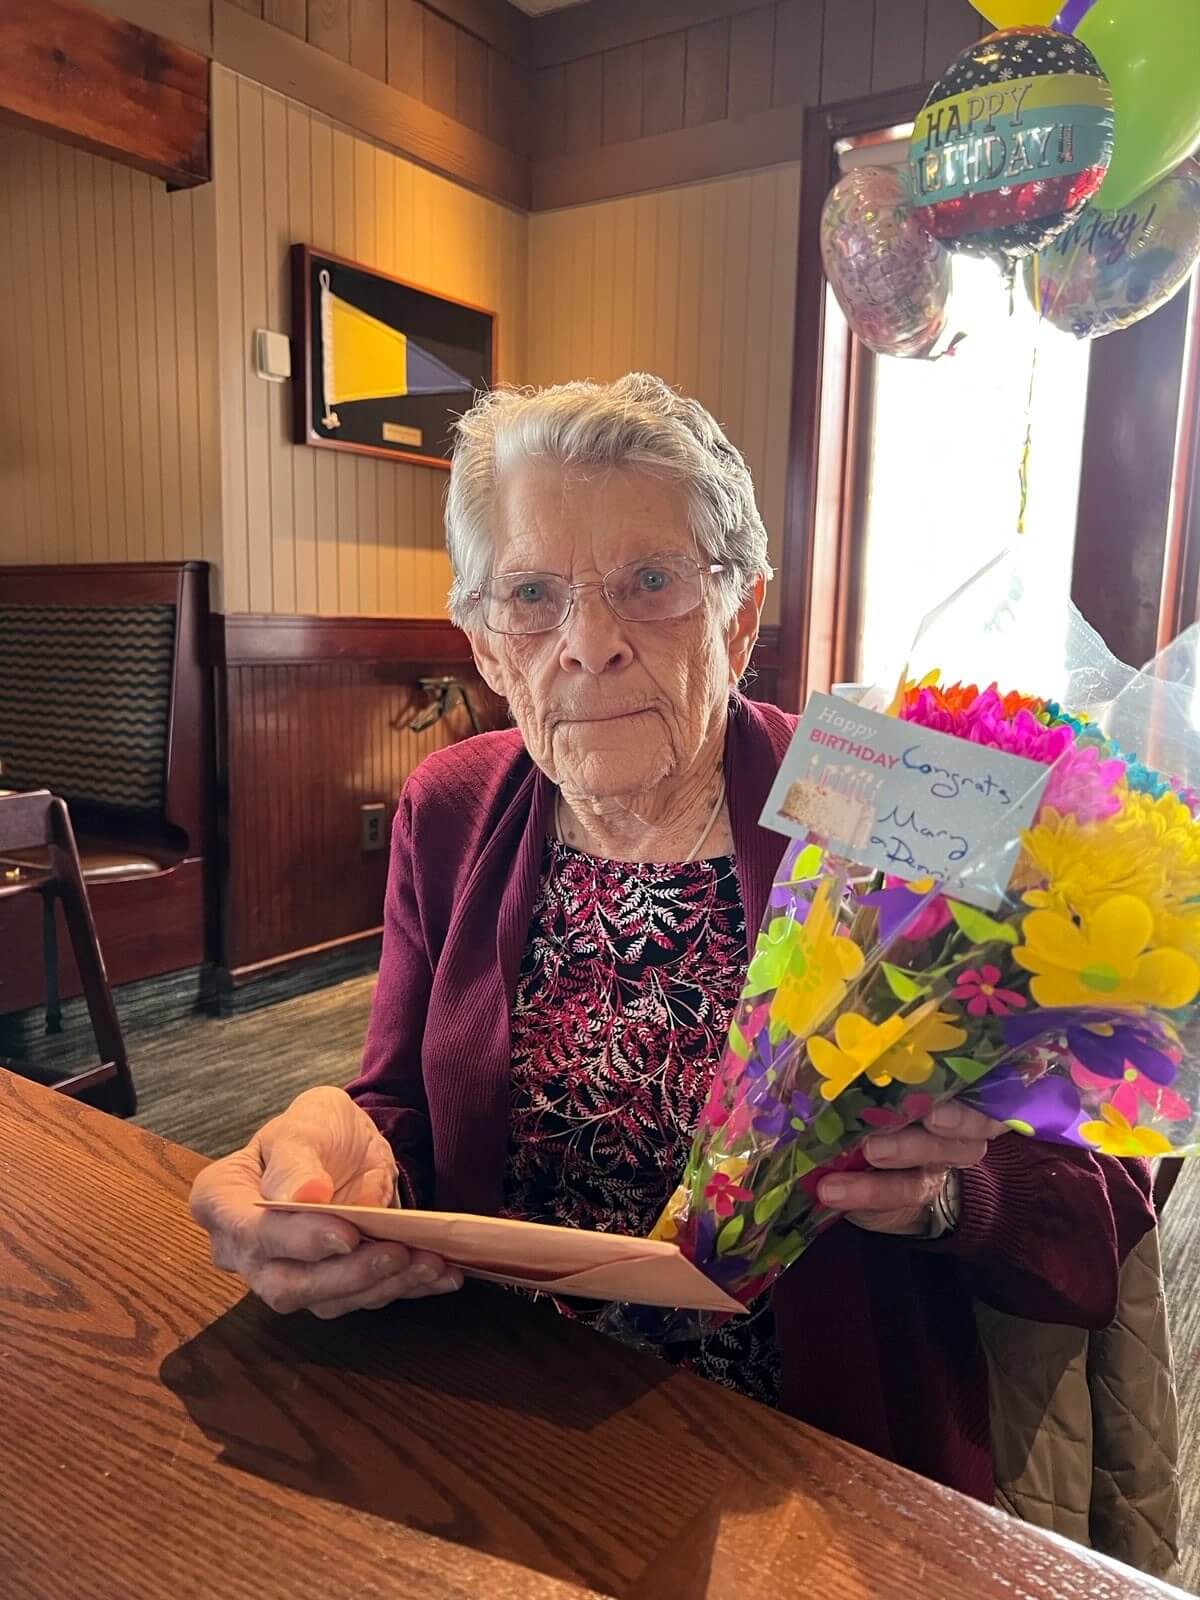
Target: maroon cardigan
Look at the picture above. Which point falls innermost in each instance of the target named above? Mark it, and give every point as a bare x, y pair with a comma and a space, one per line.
877, 1336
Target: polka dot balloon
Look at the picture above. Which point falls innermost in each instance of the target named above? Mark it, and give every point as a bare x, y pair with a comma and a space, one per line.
1012, 143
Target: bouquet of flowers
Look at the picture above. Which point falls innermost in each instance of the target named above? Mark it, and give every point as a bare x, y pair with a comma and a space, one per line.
1009, 912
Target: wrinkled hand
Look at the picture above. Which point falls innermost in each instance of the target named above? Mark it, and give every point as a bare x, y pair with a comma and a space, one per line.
911, 1168
322, 1148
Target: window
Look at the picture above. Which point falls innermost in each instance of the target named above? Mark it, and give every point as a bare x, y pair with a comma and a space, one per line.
933, 454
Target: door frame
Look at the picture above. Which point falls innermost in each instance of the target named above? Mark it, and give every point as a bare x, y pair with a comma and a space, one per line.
826, 384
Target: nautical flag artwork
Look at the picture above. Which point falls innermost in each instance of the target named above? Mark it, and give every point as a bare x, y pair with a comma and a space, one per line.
386, 366
366, 359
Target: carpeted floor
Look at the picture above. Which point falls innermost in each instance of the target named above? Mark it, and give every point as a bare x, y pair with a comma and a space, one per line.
210, 1083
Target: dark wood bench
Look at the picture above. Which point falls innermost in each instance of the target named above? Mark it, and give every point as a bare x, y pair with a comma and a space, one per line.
106, 699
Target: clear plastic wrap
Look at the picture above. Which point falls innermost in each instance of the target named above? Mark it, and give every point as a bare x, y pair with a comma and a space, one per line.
1067, 1010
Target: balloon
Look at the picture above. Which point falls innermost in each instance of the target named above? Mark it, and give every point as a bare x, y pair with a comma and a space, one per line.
1112, 268
1012, 13
1012, 143
890, 278
1150, 52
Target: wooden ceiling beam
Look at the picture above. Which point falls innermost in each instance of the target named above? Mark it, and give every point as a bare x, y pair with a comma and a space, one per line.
90, 79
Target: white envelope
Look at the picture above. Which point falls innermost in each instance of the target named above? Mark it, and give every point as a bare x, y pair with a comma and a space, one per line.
532, 1255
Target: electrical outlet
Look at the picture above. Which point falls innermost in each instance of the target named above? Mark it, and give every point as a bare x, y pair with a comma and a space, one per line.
372, 824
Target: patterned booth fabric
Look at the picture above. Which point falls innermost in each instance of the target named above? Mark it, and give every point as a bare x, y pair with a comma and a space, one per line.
85, 702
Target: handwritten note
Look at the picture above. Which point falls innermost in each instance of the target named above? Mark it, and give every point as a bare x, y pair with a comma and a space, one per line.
906, 800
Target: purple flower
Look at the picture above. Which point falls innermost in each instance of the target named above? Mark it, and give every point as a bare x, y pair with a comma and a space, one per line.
776, 1118
1141, 1042
701, 1238
1050, 1107
915, 910
802, 1107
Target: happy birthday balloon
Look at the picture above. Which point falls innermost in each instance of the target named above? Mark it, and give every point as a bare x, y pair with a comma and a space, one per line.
1012, 143
890, 278
1112, 268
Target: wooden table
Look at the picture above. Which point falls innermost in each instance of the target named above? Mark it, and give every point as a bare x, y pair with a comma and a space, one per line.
163, 1435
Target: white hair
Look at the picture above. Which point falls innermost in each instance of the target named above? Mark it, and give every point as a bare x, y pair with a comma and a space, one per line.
637, 421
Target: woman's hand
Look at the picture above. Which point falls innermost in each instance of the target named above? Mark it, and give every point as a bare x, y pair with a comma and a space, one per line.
323, 1148
911, 1169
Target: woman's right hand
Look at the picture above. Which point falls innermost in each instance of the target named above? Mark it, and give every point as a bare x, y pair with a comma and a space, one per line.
323, 1148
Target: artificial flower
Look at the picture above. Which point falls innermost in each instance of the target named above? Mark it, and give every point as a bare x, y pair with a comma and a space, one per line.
1105, 960
912, 909
1134, 1089
911, 1060
1041, 1105
1106, 1046
913, 1108
668, 1225
725, 1194
856, 1046
979, 990
821, 963
1115, 1135
783, 1119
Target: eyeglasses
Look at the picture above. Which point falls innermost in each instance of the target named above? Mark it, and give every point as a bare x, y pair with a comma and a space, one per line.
655, 589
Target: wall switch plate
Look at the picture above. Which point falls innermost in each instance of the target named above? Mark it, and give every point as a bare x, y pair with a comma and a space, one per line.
372, 824
272, 355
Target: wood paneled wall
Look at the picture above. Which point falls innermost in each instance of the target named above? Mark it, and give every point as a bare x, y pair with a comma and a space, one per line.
108, 408
473, 66
317, 725
639, 94
315, 530
695, 284
448, 81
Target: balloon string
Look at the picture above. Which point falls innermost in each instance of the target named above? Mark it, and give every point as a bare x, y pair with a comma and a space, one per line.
1027, 449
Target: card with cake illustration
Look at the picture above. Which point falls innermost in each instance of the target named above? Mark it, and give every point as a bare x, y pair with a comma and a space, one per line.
905, 800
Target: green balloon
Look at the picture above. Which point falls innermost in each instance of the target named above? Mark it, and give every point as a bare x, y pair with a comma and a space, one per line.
1150, 53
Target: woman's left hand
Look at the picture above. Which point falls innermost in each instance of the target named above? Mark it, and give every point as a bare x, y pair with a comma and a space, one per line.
911, 1169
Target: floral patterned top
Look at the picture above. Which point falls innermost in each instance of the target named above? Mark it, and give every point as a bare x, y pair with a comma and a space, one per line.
630, 976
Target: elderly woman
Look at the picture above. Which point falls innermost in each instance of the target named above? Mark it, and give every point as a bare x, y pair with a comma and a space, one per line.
566, 935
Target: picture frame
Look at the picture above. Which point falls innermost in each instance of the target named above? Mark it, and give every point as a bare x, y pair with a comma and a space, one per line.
381, 366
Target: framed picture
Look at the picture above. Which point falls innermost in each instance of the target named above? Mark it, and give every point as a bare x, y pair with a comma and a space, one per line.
381, 366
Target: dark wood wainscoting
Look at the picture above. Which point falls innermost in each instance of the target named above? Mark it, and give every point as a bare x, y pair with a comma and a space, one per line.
316, 717
316, 723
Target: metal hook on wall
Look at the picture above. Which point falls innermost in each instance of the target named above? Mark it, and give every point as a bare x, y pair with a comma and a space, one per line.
447, 693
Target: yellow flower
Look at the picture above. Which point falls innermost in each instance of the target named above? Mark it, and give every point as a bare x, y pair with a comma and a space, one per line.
1151, 849
911, 1061
1105, 960
1117, 1136
859, 1046
667, 1226
821, 964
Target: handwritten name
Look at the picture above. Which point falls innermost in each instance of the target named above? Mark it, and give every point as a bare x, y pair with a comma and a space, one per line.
948, 785
906, 821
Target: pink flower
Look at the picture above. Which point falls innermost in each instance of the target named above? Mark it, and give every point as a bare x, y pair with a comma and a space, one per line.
913, 1108
1135, 1088
1083, 785
725, 1194
978, 990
